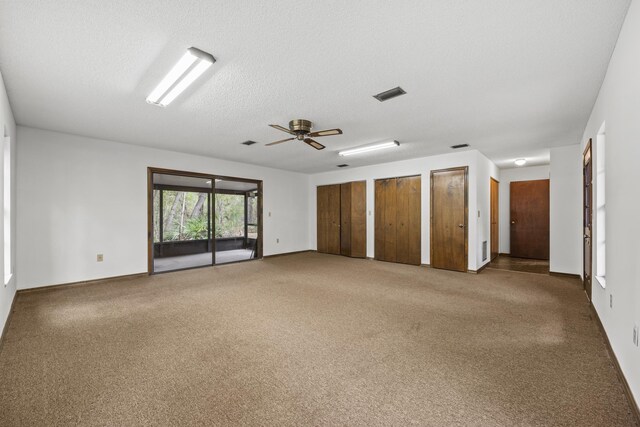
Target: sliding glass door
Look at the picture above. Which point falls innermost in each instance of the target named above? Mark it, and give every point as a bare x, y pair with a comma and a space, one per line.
198, 220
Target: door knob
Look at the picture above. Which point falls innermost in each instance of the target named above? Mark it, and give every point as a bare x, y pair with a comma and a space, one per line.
461, 225
513, 222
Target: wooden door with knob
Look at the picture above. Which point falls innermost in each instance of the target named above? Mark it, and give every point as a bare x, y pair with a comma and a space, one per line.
328, 219
529, 201
449, 212
495, 219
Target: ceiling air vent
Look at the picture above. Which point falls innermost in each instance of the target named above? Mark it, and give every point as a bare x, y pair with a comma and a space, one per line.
344, 165
455, 147
388, 94
249, 142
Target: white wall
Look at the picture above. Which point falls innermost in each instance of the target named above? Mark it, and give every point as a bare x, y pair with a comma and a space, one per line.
7, 128
486, 170
618, 104
80, 196
507, 176
565, 201
422, 166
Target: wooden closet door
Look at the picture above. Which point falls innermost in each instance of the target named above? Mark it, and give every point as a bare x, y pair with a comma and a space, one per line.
358, 219
328, 219
345, 219
333, 234
322, 219
408, 220
385, 206
379, 201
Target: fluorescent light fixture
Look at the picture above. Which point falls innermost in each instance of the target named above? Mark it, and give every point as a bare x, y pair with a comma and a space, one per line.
366, 149
209, 182
191, 66
520, 162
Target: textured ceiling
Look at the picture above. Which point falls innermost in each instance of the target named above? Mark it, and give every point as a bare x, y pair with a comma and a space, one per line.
511, 78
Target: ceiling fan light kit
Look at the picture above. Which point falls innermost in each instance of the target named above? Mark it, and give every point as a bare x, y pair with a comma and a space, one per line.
301, 130
368, 148
191, 66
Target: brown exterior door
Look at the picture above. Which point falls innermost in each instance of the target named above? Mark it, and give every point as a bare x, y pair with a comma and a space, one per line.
449, 219
328, 219
530, 219
587, 173
495, 216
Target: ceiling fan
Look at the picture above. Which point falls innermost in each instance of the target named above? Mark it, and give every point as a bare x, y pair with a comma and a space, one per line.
301, 130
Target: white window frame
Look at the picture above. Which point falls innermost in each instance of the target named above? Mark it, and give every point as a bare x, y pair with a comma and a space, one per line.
600, 205
6, 201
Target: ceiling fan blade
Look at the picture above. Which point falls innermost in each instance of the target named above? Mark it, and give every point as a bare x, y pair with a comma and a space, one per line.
314, 144
283, 129
279, 142
327, 132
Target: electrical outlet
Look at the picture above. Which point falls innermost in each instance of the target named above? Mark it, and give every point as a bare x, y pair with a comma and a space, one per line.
100, 257
635, 335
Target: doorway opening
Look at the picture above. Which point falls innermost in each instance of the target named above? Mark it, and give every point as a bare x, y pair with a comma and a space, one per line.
198, 220
529, 228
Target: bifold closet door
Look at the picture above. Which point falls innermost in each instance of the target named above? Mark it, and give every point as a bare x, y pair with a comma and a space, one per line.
408, 220
353, 219
328, 219
397, 220
385, 226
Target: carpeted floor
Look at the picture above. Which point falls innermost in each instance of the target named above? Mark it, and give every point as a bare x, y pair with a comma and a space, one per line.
310, 339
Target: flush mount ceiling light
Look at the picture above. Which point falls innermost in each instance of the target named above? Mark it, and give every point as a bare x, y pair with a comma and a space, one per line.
366, 149
191, 66
520, 162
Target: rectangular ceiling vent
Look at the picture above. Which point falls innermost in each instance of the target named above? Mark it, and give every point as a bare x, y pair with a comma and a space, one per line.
344, 165
455, 147
249, 142
388, 94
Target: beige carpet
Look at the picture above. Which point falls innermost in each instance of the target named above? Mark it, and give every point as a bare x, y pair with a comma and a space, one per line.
310, 339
